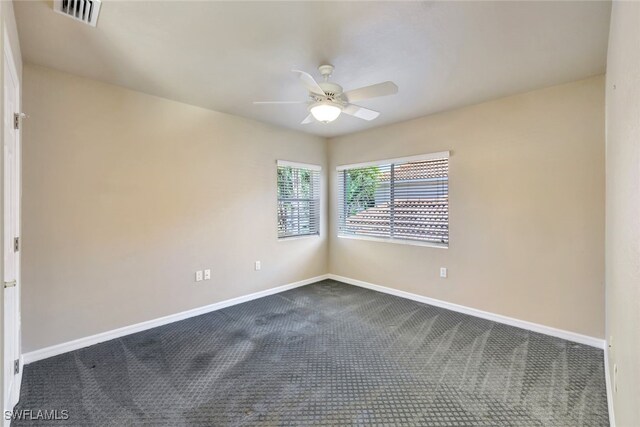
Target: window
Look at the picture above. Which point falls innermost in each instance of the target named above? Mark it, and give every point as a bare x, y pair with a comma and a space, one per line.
405, 200
298, 199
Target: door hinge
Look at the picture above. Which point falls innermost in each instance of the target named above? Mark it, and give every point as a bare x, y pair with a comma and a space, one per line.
16, 366
16, 120
16, 244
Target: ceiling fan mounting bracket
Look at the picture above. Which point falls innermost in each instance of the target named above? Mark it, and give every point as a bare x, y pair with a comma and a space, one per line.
326, 71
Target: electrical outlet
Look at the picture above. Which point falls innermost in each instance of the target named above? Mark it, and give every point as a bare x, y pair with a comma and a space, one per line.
199, 276
443, 272
258, 265
207, 274
615, 378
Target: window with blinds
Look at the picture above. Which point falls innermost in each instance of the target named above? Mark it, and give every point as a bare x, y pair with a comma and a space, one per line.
401, 199
298, 199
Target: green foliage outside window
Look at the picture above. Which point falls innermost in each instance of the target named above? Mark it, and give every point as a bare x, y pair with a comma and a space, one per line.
297, 201
361, 186
294, 183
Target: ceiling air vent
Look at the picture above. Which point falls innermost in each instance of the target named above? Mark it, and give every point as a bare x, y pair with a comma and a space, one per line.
81, 10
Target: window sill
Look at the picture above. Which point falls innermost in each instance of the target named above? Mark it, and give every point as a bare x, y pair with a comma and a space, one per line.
397, 241
306, 236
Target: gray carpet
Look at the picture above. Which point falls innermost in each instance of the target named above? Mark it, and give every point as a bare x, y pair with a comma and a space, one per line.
325, 354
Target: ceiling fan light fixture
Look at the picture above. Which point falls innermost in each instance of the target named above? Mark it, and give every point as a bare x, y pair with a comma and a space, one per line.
325, 111
327, 100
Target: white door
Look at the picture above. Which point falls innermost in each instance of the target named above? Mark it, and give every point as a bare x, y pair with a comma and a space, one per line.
11, 229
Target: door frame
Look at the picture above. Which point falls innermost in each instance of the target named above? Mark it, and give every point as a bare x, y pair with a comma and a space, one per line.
9, 59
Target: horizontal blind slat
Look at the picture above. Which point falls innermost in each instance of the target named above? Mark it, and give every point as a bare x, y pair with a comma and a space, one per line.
298, 200
416, 209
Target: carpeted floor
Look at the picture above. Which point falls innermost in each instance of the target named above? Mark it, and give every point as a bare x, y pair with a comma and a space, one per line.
325, 354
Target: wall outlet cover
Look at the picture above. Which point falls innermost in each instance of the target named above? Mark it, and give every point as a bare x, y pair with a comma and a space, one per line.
199, 276
207, 274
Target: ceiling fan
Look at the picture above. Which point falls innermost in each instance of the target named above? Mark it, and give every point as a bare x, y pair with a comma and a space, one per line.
327, 99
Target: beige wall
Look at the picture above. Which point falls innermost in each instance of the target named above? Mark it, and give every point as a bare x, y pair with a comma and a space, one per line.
526, 207
623, 209
127, 195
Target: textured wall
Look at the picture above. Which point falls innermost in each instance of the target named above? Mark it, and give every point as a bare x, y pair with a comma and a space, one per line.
127, 195
526, 207
623, 209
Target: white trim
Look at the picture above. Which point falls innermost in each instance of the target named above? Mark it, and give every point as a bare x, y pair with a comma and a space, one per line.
392, 240
418, 158
535, 327
57, 349
612, 418
303, 236
9, 57
299, 165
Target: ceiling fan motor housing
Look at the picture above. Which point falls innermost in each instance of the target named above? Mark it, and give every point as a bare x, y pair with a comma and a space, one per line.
332, 91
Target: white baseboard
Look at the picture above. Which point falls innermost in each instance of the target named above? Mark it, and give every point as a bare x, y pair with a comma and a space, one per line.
535, 327
57, 349
612, 418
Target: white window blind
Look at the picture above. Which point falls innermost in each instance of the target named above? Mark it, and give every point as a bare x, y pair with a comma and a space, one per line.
298, 199
403, 199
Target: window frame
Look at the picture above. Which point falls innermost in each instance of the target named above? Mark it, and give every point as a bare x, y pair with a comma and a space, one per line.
317, 198
394, 161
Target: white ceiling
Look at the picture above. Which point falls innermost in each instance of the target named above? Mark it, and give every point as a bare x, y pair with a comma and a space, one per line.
224, 55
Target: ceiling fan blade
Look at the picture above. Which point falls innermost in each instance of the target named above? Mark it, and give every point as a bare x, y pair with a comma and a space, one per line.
360, 112
373, 91
309, 82
307, 120
279, 102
